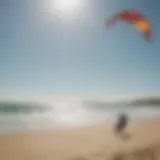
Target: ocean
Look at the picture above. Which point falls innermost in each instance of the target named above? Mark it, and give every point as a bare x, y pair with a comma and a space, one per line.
24, 116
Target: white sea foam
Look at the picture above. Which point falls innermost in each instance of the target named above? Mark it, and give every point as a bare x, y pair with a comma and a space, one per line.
70, 114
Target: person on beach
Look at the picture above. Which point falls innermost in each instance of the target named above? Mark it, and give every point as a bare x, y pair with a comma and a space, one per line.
121, 124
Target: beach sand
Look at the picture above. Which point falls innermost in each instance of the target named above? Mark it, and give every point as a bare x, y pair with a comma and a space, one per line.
141, 142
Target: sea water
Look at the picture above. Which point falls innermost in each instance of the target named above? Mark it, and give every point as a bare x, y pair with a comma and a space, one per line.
23, 116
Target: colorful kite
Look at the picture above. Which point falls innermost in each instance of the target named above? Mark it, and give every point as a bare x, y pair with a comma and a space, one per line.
135, 18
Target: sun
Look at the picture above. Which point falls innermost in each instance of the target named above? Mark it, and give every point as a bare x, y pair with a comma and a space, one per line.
64, 10
66, 5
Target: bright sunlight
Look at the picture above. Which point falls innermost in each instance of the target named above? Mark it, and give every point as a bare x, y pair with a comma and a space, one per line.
66, 5
67, 11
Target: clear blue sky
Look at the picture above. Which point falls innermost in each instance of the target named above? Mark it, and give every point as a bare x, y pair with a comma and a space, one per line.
43, 52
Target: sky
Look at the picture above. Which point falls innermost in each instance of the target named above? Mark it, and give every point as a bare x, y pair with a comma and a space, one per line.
50, 46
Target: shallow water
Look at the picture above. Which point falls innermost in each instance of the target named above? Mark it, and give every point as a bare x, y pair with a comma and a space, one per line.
59, 115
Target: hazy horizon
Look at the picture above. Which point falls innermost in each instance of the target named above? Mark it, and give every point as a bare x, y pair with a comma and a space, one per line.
51, 98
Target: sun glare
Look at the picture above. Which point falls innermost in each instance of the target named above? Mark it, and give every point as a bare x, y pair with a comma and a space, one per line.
66, 5
65, 10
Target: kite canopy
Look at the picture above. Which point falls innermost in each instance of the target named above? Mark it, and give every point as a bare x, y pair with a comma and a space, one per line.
135, 18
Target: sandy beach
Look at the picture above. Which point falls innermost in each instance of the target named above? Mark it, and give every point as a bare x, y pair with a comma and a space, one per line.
141, 141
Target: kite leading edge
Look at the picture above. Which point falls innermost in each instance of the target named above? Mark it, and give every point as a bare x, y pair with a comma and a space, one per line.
139, 21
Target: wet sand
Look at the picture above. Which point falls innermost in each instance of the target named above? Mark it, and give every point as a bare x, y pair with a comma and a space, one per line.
141, 141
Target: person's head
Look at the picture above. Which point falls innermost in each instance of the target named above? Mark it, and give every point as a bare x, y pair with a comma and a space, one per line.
123, 115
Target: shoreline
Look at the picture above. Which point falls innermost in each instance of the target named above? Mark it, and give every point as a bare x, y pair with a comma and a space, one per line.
70, 127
